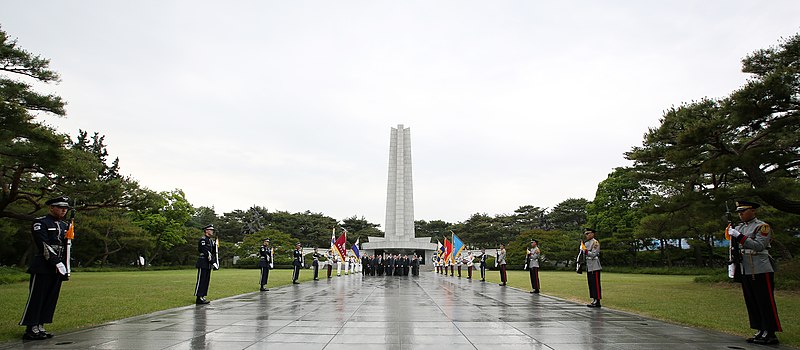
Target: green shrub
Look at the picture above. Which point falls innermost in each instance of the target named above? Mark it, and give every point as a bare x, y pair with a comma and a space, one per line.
12, 275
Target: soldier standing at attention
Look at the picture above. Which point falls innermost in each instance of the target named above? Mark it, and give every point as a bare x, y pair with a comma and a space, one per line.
205, 262
415, 265
501, 261
316, 256
533, 265
47, 269
265, 263
329, 261
483, 265
593, 267
470, 265
298, 262
758, 276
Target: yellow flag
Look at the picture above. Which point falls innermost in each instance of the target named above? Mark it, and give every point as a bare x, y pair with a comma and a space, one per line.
727, 235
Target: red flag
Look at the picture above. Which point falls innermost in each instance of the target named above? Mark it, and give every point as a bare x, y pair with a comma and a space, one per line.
448, 249
339, 245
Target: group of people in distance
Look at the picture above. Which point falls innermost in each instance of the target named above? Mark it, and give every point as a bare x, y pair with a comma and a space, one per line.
50, 266
387, 264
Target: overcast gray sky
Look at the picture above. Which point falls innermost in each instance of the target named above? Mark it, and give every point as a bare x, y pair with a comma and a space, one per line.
289, 104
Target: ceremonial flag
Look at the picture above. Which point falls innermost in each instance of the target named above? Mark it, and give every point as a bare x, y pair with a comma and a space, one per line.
448, 249
583, 246
339, 245
333, 238
440, 249
355, 249
70, 235
458, 246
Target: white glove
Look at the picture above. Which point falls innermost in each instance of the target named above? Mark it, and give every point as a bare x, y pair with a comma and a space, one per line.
215, 266
733, 233
61, 268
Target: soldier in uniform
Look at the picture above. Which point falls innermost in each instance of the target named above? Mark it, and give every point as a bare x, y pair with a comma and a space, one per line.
470, 265
316, 255
501, 261
483, 265
329, 261
298, 262
592, 253
415, 265
758, 276
265, 263
459, 263
533, 265
48, 269
205, 262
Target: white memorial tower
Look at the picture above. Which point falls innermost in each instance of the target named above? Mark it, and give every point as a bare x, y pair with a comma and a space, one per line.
399, 230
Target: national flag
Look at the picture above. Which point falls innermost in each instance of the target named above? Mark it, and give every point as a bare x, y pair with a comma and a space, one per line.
339, 244
354, 247
439, 249
448, 249
333, 238
458, 246
582, 247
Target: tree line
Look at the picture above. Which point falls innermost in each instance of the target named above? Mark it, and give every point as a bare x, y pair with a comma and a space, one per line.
667, 209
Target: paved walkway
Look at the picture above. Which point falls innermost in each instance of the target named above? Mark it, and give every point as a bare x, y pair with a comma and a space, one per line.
426, 312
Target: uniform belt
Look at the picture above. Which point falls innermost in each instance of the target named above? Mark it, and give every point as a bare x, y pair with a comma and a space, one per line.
753, 252
591, 258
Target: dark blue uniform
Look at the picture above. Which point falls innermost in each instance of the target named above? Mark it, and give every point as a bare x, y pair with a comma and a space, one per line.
45, 283
265, 264
297, 264
205, 262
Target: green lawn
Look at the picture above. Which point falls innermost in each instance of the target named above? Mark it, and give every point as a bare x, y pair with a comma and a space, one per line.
93, 298
678, 299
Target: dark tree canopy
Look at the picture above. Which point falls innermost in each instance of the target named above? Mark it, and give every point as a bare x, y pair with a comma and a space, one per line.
748, 141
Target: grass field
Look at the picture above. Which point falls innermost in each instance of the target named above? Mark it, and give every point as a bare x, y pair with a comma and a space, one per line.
677, 299
93, 298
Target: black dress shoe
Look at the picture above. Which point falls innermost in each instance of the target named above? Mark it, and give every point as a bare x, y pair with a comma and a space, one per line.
759, 335
34, 336
202, 301
767, 340
295, 282
535, 291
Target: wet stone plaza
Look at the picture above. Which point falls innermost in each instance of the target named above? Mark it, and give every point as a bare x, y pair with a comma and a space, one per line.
430, 311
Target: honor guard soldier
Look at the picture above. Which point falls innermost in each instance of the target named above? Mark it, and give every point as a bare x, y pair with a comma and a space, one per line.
316, 256
533, 265
329, 261
205, 262
265, 263
592, 253
298, 262
758, 275
415, 265
470, 265
501, 261
483, 265
47, 269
